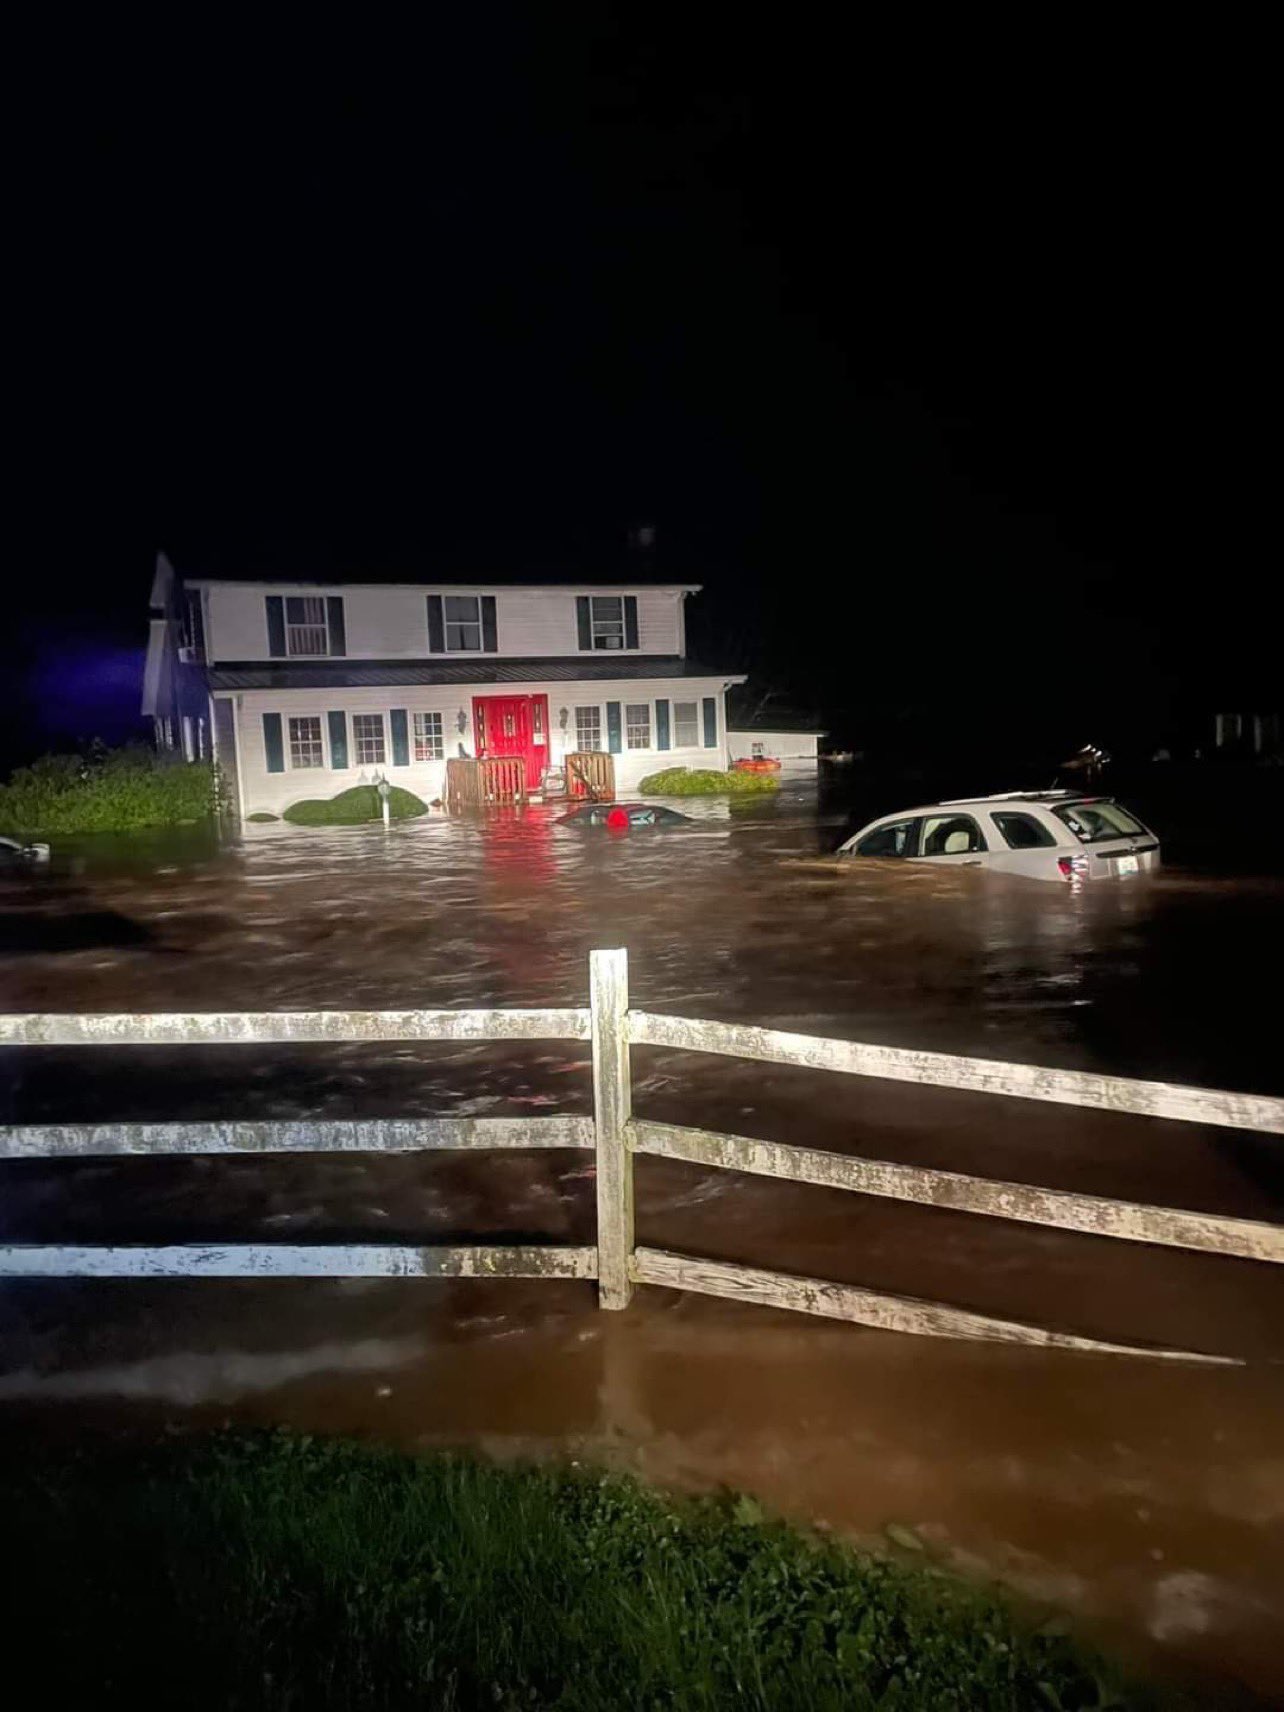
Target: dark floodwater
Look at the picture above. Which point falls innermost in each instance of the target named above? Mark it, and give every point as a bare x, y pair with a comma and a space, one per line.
1148, 1499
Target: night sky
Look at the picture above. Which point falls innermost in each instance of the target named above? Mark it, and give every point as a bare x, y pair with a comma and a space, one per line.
941, 363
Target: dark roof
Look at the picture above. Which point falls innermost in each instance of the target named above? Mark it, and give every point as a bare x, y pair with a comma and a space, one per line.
496, 564
390, 674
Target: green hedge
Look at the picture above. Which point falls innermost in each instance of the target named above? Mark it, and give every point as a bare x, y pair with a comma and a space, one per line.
107, 790
352, 807
706, 782
289, 1572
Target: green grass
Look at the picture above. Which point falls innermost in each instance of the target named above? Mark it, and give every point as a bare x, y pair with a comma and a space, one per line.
352, 807
107, 790
261, 817
256, 1571
706, 782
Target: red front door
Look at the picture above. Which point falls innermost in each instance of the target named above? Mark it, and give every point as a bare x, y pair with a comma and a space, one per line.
514, 725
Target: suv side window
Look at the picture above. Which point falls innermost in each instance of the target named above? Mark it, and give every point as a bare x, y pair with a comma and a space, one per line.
951, 835
1022, 831
897, 838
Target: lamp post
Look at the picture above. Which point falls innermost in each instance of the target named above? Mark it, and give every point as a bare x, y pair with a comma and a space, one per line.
385, 791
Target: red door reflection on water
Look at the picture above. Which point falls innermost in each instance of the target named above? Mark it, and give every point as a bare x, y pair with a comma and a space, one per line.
519, 863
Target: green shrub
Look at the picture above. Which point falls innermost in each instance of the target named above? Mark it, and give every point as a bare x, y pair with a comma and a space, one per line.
107, 790
706, 782
353, 807
282, 1571
259, 816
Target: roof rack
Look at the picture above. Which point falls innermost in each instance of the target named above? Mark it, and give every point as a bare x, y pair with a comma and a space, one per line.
1011, 796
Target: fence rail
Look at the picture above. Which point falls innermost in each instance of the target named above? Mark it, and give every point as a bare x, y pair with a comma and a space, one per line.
1093, 1215
870, 1307
281, 1028
615, 1135
298, 1135
974, 1075
311, 1260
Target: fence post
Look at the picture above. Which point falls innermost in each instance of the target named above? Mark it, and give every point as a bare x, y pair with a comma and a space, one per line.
612, 1110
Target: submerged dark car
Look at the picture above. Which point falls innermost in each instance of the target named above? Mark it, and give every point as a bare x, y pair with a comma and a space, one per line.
15, 855
622, 817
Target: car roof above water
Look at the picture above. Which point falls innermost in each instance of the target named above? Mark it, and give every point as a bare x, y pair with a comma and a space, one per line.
1002, 799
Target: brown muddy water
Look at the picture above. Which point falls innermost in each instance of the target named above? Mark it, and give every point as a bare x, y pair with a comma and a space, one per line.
1146, 1499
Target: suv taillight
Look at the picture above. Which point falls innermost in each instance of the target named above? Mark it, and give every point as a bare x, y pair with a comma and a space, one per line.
1072, 866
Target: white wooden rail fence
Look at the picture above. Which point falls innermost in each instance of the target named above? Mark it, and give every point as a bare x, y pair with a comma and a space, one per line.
615, 1135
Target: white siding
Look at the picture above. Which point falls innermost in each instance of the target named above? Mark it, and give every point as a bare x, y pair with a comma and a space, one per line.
392, 623
272, 792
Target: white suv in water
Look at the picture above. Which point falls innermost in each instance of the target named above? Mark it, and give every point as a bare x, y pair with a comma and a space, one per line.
1043, 835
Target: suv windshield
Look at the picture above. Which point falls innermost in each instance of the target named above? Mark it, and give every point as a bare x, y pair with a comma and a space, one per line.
1091, 822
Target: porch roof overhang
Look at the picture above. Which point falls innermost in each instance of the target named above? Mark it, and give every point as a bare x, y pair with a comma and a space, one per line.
473, 670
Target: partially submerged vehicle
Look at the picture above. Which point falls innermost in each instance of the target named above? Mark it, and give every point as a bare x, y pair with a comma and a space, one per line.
1042, 835
623, 817
15, 855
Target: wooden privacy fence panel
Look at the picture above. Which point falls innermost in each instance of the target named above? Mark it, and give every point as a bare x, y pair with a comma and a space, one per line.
463, 783
503, 780
494, 781
591, 773
616, 1135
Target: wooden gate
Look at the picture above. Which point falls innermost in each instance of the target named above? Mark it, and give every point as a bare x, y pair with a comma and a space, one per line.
590, 773
497, 782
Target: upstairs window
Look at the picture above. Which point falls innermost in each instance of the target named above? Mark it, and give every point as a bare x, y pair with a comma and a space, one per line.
463, 624
305, 626
607, 620
606, 623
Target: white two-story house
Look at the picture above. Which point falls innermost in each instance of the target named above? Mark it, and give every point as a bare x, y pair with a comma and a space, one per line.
301, 689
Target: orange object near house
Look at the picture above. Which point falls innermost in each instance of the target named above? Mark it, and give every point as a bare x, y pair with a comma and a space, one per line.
759, 764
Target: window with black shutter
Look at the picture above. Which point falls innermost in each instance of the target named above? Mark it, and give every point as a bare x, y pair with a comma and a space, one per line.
606, 623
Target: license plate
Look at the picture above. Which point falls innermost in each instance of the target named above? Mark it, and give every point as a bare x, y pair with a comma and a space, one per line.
1126, 865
